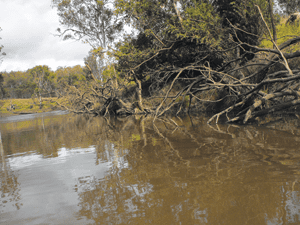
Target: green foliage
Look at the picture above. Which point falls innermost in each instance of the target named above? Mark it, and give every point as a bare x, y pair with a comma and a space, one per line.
195, 21
17, 85
108, 73
95, 62
135, 137
71, 76
200, 23
192, 30
43, 77
132, 52
284, 33
245, 16
91, 21
40, 79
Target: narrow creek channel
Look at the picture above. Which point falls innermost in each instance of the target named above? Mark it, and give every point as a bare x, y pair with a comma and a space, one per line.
59, 168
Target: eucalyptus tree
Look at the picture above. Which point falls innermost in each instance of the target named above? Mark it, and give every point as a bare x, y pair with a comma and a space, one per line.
91, 21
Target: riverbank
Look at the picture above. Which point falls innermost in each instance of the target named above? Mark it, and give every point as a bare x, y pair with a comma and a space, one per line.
9, 107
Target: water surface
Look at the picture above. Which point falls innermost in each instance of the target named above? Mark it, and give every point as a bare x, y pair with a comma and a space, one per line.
61, 168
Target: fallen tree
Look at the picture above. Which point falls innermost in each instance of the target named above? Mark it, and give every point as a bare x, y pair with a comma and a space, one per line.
235, 79
239, 99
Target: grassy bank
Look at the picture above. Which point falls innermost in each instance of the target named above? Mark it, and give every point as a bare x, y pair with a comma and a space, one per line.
22, 106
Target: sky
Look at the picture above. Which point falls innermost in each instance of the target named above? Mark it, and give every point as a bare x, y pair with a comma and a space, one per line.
28, 28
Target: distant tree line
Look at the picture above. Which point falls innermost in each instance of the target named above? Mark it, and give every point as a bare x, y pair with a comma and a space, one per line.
40, 81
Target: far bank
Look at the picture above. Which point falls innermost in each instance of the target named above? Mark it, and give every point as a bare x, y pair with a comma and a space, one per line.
9, 107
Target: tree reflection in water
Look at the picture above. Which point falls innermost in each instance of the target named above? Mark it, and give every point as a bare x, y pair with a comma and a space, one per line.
167, 174
9, 185
173, 171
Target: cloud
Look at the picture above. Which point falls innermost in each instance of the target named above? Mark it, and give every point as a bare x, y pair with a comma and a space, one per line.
28, 28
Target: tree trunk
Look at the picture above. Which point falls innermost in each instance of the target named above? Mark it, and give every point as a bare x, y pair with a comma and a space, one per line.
177, 11
139, 93
272, 21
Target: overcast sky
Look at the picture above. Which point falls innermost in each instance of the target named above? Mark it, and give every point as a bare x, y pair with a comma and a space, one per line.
27, 36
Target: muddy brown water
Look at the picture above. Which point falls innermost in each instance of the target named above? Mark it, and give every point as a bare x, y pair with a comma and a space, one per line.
59, 168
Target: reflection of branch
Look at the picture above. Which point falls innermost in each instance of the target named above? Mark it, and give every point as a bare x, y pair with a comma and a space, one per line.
143, 131
108, 123
3, 159
167, 140
67, 108
224, 132
293, 186
218, 129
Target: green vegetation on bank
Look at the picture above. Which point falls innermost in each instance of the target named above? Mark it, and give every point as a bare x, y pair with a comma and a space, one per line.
23, 106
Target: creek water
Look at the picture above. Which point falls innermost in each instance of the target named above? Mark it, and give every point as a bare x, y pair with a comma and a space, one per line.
60, 168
